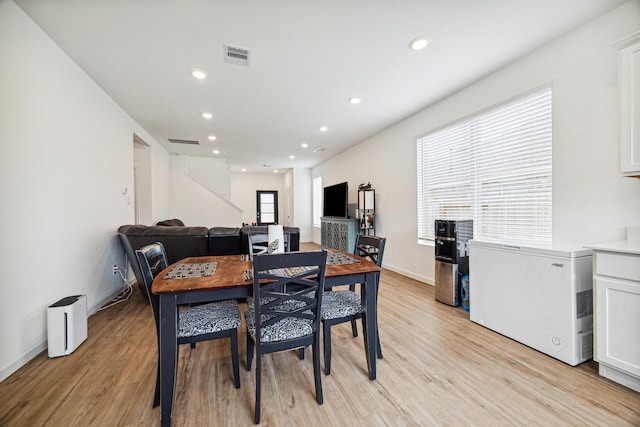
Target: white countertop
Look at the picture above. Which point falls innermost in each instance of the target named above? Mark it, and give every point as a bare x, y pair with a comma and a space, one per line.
621, 246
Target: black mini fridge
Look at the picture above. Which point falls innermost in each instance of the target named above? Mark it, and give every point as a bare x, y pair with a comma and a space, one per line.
452, 257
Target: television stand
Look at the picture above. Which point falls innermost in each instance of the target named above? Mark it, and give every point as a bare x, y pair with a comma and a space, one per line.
338, 233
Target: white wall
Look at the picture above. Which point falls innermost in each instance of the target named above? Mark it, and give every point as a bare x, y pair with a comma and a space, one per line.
197, 204
66, 153
591, 201
303, 202
287, 199
243, 192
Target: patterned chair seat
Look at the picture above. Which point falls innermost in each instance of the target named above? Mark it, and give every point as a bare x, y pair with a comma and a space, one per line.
208, 318
338, 304
285, 329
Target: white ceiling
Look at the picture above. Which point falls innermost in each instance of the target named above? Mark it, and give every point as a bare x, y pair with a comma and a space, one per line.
307, 58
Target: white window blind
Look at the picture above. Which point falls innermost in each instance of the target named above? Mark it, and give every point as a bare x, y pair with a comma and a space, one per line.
494, 168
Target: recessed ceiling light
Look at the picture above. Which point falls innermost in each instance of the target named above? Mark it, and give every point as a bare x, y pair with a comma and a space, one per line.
419, 43
354, 100
323, 128
318, 150
244, 170
207, 116
216, 151
212, 137
292, 157
199, 74
275, 171
304, 145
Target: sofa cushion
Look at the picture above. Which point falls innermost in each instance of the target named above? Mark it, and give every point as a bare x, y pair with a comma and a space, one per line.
224, 241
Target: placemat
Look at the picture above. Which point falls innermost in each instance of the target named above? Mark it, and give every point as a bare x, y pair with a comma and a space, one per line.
196, 269
337, 258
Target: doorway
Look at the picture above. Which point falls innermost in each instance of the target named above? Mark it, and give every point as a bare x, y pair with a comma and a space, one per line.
267, 206
141, 181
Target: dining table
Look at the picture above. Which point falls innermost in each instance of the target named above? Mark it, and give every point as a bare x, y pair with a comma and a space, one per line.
189, 282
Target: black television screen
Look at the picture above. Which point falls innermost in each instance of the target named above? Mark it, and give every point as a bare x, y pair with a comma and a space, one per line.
336, 200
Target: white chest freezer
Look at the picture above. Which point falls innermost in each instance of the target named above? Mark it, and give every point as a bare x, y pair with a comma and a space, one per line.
541, 297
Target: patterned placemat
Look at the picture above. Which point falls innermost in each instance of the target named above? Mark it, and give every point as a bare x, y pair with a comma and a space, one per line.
337, 258
196, 269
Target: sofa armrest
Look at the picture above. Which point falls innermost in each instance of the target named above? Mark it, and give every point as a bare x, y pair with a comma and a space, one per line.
179, 242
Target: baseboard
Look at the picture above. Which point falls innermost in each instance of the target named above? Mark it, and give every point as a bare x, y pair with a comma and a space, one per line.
42, 345
418, 277
36, 350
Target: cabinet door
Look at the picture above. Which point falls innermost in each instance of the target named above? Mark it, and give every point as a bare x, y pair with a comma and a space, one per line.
629, 75
617, 322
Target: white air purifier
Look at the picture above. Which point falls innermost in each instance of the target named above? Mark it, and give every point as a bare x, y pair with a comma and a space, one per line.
67, 325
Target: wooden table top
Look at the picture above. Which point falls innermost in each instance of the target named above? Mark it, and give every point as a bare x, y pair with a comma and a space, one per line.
230, 272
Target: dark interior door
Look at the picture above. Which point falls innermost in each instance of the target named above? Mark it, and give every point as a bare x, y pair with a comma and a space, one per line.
267, 205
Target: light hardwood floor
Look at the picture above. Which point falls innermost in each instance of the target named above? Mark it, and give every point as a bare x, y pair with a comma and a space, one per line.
439, 369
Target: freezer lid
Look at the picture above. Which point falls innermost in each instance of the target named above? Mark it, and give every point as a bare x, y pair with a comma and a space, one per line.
559, 251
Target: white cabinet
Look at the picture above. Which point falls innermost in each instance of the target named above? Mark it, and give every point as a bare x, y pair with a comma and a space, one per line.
617, 316
629, 86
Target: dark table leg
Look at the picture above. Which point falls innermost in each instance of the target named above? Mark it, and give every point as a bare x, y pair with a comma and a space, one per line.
168, 354
370, 322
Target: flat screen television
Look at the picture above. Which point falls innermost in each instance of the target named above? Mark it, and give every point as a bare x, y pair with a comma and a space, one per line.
336, 200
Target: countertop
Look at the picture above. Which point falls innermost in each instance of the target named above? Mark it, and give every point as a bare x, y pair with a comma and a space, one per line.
621, 246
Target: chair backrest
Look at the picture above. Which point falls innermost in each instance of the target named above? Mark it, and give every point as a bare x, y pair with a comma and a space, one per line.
259, 243
288, 285
152, 259
371, 247
131, 256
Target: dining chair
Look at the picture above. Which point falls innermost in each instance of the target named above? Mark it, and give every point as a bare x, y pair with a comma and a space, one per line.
135, 265
285, 320
342, 306
210, 321
259, 244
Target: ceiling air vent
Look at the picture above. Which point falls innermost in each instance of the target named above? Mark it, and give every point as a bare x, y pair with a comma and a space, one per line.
236, 55
183, 141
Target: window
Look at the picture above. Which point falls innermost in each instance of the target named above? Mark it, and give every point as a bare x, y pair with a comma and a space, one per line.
317, 200
494, 168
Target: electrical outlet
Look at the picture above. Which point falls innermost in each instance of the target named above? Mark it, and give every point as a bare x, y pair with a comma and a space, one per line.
115, 269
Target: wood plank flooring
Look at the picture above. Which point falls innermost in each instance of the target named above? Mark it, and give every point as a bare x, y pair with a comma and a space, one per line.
439, 369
